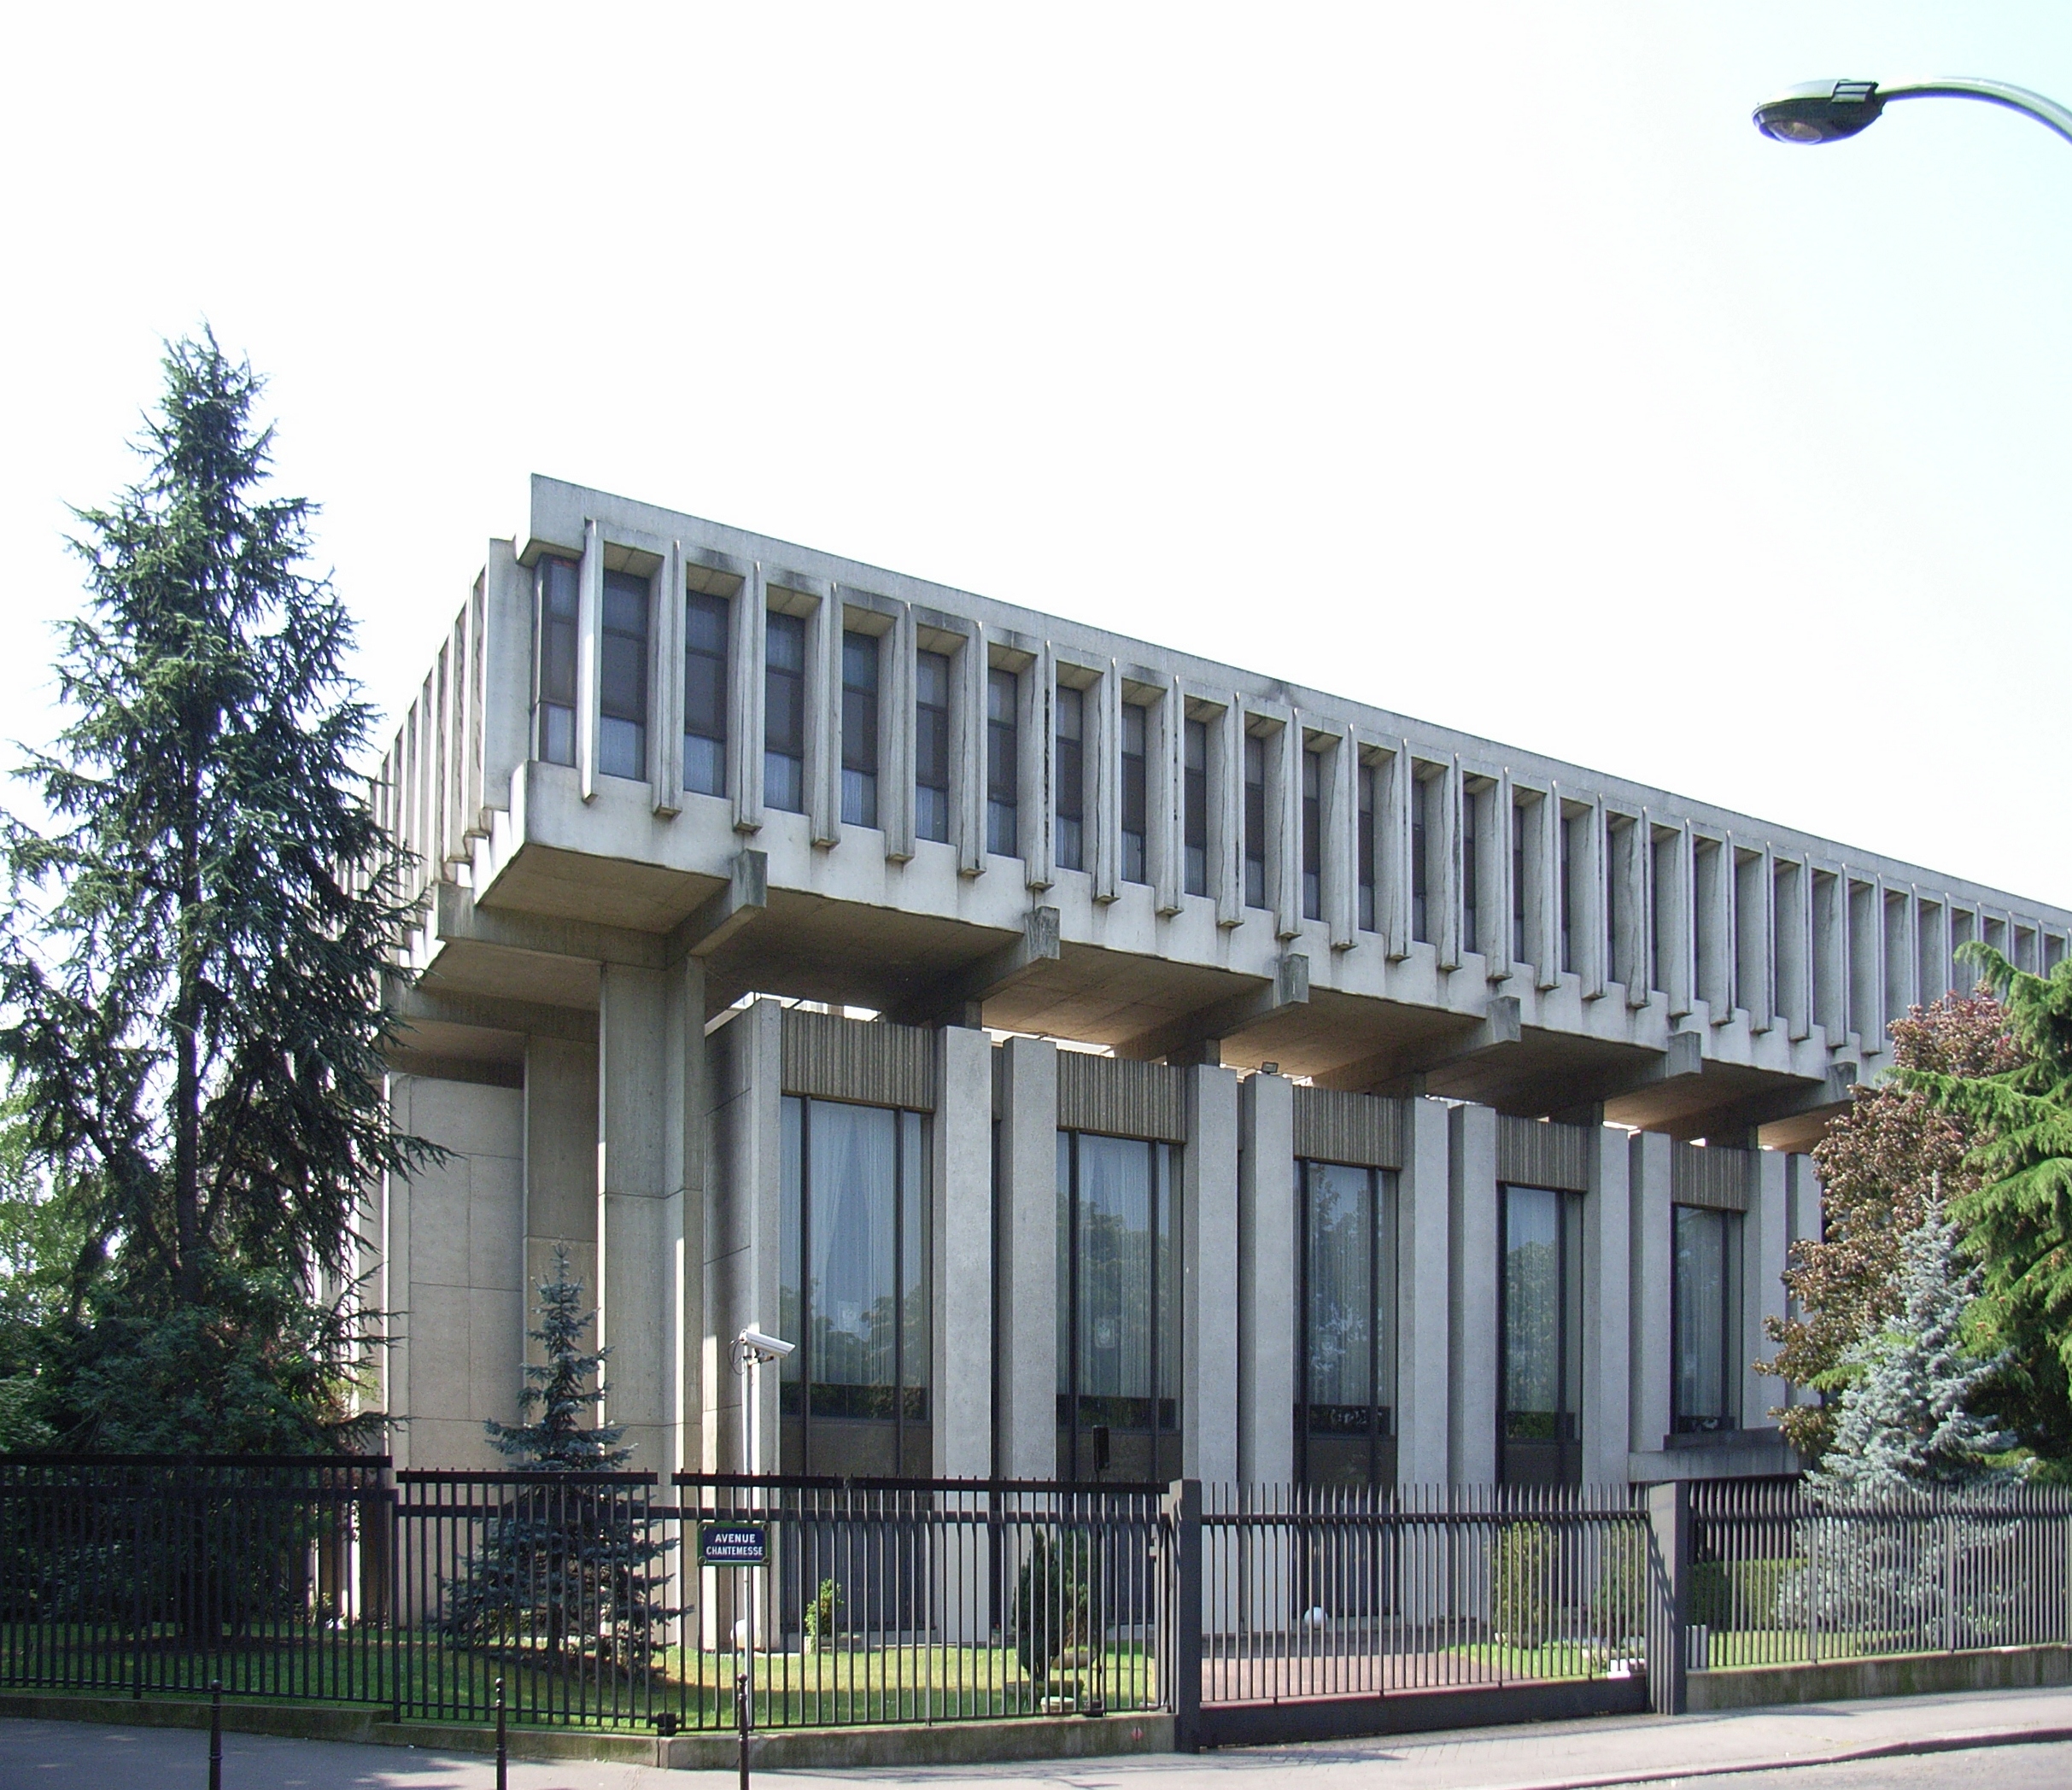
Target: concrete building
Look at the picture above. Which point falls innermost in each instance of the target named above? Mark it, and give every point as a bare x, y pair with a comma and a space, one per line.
1247, 1083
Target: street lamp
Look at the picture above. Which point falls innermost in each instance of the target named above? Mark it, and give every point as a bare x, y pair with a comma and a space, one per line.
1828, 111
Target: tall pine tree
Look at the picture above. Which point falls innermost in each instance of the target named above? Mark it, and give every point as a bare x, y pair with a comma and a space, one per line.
191, 967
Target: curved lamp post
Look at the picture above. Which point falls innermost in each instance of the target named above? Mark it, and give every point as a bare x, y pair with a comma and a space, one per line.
1828, 111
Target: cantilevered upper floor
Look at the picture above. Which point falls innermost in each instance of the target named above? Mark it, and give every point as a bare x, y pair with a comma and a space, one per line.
650, 736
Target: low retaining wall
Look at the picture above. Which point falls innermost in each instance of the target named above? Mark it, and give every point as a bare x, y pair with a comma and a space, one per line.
1906, 1675
1421, 1711
948, 1743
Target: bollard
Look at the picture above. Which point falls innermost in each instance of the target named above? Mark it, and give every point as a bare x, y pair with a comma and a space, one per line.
503, 1741
215, 1734
740, 1721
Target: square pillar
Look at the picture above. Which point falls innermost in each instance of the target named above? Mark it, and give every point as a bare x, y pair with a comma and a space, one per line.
1649, 1242
1424, 1339
1266, 1274
560, 1170
1026, 1263
1209, 1293
1765, 1240
1606, 1309
961, 1192
636, 1259
1803, 1205
1471, 1357
684, 1116
743, 1228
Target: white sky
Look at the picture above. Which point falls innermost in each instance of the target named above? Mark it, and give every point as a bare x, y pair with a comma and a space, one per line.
1478, 360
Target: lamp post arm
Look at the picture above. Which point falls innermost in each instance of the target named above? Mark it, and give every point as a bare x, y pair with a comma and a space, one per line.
2046, 112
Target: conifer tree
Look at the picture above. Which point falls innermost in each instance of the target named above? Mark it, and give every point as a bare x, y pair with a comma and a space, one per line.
568, 1572
2017, 1223
191, 967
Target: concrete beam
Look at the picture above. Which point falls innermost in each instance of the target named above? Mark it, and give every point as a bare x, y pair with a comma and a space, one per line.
1194, 1036
1500, 1029
488, 1013
460, 921
1737, 1122
724, 912
960, 999
1581, 1102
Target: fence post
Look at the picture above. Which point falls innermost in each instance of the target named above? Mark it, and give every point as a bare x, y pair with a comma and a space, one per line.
1183, 1583
1669, 1519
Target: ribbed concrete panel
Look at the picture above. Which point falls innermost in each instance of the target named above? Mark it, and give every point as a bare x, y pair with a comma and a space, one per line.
1123, 1099
1333, 1125
870, 1061
1710, 1177
1535, 1153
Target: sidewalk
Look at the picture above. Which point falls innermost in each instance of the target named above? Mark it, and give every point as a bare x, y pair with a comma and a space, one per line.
1553, 1756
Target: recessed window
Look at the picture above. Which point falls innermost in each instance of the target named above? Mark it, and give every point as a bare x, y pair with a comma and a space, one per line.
1471, 824
932, 746
1254, 821
1540, 1354
555, 704
1118, 1312
622, 678
1135, 802
1071, 772
1367, 848
1420, 860
704, 693
1345, 1361
1002, 762
853, 1289
1312, 835
1194, 775
1705, 1288
859, 729
784, 714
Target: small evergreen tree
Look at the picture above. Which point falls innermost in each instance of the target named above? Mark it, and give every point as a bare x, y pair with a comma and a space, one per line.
569, 1572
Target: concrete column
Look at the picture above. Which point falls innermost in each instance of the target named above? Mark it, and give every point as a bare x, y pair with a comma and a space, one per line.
1589, 936
1606, 1309
1766, 1236
1165, 776
1338, 780
1038, 725
1493, 903
1266, 1243
635, 1257
507, 672
560, 1167
1831, 955
1227, 814
743, 1231
392, 1364
665, 686
1543, 888
1637, 903
1104, 713
1803, 1199
1474, 1271
1649, 1244
1867, 1013
1394, 863
1678, 921
824, 715
1422, 1298
1755, 939
1443, 859
1902, 949
968, 755
961, 1174
896, 704
1793, 923
1209, 1294
1714, 926
589, 640
685, 1104
745, 673
1938, 969
1284, 826
1027, 1260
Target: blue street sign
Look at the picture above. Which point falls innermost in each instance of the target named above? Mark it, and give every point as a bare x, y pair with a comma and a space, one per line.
732, 1544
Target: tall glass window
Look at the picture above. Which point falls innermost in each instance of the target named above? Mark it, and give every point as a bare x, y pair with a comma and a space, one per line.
1194, 798
622, 678
853, 1289
784, 713
1135, 797
1118, 1312
859, 729
554, 696
1541, 1350
1312, 835
1254, 821
932, 746
1345, 1325
1002, 762
1705, 1297
1365, 854
1420, 860
704, 693
1471, 824
1071, 771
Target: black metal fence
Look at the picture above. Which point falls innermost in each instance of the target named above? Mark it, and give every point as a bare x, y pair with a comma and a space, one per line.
1244, 1612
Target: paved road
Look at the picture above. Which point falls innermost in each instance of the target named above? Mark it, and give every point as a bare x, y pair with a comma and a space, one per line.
1691, 1750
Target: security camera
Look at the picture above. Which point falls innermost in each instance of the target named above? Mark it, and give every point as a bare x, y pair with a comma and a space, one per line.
768, 1348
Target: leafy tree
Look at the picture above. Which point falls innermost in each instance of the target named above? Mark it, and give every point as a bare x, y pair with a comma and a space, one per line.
190, 964
2017, 1214
570, 1570
1877, 1164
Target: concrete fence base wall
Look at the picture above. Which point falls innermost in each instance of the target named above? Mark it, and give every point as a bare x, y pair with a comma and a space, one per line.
1910, 1675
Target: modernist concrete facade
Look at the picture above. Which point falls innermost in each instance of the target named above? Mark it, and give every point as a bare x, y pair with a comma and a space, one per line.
1256, 1084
